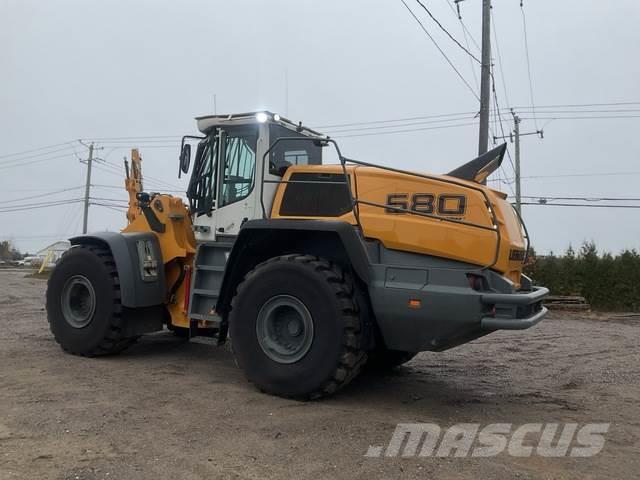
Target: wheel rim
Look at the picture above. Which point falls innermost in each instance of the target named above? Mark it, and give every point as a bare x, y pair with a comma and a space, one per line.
285, 329
78, 301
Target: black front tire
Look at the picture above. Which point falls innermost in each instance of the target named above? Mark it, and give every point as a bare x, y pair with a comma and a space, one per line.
93, 331
335, 354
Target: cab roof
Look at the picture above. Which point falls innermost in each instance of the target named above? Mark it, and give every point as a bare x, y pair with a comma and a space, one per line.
207, 122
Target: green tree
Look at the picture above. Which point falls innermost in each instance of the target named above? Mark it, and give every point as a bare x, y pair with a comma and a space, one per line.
8, 252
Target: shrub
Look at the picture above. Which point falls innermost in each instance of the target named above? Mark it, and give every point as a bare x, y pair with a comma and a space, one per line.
607, 282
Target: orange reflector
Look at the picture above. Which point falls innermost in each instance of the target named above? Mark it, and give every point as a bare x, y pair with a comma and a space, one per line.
415, 303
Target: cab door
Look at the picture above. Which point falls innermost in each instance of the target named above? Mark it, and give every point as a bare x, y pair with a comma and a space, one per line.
223, 190
237, 190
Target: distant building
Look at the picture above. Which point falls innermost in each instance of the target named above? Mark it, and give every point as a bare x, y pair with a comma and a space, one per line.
53, 251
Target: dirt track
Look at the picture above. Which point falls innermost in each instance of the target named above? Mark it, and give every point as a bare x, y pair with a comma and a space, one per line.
169, 409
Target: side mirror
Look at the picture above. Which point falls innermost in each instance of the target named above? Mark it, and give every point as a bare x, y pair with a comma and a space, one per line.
185, 158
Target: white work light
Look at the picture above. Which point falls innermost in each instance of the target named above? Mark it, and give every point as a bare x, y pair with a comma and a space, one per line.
262, 117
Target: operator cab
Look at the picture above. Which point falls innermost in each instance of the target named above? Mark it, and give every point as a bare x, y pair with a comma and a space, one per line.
238, 164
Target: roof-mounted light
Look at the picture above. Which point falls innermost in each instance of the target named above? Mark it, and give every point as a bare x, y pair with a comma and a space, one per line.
276, 117
262, 117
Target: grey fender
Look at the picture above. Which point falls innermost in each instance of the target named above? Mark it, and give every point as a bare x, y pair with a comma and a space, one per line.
141, 285
260, 240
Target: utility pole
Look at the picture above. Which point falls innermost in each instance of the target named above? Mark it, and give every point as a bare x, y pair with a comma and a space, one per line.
485, 78
87, 189
517, 134
514, 137
516, 131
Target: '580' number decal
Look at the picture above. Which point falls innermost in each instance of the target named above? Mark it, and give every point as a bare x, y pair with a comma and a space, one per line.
445, 204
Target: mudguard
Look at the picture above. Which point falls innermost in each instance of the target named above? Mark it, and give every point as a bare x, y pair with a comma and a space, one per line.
260, 240
138, 259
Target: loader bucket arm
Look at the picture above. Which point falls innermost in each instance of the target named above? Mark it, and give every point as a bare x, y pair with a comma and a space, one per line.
133, 184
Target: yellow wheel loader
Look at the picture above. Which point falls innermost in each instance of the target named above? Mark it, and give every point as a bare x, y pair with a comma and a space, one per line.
312, 270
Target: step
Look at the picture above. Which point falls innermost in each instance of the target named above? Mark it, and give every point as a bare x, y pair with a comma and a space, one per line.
205, 293
209, 318
210, 268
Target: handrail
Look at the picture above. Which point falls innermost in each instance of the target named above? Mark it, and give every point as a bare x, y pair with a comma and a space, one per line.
526, 235
355, 202
321, 140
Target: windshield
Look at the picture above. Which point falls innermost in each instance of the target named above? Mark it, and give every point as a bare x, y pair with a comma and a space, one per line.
201, 190
235, 147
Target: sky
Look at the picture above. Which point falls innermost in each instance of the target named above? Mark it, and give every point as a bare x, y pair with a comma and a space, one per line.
135, 74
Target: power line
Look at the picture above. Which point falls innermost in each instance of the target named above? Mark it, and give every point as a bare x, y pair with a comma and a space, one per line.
379, 127
495, 100
55, 192
149, 147
500, 64
440, 50
36, 204
122, 188
585, 199
19, 208
34, 150
138, 141
526, 47
497, 112
25, 237
577, 105
562, 175
111, 207
123, 201
115, 170
70, 217
578, 205
498, 115
592, 117
447, 32
504, 181
142, 138
20, 163
538, 110
465, 30
405, 119
41, 189
407, 131
153, 137
36, 155
503, 111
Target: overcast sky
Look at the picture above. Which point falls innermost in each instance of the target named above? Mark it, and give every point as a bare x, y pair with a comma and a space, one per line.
90, 69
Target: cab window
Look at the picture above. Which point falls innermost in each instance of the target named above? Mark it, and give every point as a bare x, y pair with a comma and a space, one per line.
291, 152
239, 165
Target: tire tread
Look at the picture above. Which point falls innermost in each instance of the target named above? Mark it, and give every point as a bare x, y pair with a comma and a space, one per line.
114, 340
353, 356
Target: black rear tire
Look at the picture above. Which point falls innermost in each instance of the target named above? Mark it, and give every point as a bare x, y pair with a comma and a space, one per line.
316, 298
83, 303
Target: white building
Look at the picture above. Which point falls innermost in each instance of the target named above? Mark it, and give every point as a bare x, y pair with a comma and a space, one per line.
53, 252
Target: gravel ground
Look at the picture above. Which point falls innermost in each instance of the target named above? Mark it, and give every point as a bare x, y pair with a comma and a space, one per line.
171, 409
